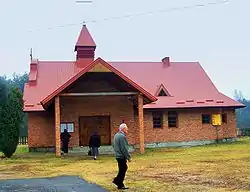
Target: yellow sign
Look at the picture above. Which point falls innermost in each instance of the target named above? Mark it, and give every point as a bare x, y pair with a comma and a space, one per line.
216, 119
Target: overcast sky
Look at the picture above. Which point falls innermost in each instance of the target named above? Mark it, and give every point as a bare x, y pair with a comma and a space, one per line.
217, 36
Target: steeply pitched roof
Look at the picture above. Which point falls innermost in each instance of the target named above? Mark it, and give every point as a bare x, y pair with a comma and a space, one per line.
85, 39
89, 67
187, 83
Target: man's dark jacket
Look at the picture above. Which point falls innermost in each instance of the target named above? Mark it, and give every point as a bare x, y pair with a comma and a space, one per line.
95, 141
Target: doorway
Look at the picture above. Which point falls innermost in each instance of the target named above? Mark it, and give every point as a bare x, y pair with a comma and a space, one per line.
89, 124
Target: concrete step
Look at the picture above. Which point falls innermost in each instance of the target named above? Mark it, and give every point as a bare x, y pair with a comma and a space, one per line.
103, 150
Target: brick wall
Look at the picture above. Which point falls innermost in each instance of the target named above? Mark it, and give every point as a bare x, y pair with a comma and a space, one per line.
42, 133
117, 107
189, 128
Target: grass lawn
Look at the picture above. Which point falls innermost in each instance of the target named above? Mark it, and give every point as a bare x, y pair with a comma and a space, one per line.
223, 167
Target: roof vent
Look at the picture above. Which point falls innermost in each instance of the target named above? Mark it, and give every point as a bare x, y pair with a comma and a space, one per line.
209, 100
180, 102
219, 101
200, 101
162, 91
166, 61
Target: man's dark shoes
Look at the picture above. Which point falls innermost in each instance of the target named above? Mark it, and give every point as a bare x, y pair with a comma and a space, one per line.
119, 187
114, 181
122, 188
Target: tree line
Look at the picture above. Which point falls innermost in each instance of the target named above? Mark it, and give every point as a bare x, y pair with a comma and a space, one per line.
243, 114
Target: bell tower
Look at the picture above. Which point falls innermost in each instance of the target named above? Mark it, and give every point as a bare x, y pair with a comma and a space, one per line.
85, 45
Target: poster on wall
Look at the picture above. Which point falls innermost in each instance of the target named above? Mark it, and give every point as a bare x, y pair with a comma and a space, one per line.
68, 126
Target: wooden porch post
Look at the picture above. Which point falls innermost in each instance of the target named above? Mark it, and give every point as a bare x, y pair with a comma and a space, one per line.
141, 122
57, 127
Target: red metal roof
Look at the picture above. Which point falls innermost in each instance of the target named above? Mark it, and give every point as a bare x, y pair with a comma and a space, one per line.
86, 69
85, 39
187, 83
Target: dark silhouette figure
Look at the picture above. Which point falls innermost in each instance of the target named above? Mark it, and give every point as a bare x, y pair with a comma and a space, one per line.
94, 144
65, 137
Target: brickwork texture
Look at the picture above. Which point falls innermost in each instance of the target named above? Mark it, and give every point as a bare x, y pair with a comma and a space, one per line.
41, 125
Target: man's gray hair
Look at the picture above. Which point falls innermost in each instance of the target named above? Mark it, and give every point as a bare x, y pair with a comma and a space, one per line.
122, 126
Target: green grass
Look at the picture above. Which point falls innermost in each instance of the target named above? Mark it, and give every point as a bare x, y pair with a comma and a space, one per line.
223, 167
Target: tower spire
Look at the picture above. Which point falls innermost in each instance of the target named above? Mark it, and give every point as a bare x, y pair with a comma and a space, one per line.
85, 45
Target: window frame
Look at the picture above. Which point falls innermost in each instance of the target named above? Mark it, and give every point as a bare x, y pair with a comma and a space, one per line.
157, 114
67, 124
176, 119
203, 117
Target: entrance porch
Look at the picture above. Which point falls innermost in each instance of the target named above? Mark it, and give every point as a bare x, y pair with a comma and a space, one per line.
82, 115
99, 101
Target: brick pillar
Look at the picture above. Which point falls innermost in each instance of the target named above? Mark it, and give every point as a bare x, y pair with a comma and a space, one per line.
57, 127
141, 122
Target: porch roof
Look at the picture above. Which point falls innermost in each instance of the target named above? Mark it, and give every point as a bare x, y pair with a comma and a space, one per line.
76, 76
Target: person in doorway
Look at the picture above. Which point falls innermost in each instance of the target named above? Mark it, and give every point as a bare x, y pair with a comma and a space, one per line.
65, 137
94, 144
120, 145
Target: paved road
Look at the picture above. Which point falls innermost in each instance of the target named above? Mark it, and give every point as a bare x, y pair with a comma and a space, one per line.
56, 184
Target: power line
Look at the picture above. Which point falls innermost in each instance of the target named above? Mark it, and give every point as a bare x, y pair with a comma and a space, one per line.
139, 14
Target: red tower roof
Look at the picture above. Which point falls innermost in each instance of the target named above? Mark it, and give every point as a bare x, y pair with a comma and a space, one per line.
85, 39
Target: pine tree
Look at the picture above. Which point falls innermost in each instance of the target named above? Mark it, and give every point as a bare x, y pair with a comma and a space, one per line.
13, 116
3, 101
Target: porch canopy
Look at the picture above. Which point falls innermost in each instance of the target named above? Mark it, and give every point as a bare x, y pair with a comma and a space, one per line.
87, 83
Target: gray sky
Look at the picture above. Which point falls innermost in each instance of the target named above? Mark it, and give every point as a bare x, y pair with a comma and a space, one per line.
216, 36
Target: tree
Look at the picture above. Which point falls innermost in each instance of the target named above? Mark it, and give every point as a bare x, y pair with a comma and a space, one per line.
12, 119
18, 80
243, 114
3, 100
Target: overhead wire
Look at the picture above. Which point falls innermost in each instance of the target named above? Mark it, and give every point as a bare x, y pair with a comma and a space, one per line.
138, 14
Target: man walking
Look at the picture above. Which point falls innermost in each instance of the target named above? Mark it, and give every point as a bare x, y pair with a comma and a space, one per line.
65, 136
94, 144
120, 145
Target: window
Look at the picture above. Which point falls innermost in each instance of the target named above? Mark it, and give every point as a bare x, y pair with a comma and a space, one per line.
206, 118
68, 126
162, 93
157, 119
224, 118
172, 119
